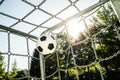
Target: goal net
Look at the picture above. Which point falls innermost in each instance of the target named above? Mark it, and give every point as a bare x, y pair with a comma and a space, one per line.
87, 35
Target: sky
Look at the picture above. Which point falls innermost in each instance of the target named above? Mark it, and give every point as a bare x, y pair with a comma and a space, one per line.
18, 10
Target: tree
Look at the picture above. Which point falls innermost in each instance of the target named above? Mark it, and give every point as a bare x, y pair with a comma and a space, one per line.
35, 64
107, 42
14, 70
22, 73
2, 69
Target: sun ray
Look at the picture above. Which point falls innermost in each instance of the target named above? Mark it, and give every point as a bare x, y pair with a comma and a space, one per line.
74, 27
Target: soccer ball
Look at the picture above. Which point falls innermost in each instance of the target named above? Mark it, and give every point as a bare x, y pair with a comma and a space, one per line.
46, 44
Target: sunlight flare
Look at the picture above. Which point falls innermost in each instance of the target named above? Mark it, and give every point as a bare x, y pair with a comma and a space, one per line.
74, 27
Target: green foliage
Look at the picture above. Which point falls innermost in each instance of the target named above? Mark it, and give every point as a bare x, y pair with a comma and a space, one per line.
14, 70
3, 73
107, 43
2, 69
35, 67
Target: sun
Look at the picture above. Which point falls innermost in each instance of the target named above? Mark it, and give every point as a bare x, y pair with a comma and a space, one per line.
74, 27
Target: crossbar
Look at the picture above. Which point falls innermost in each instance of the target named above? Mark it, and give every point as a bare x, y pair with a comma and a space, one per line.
14, 31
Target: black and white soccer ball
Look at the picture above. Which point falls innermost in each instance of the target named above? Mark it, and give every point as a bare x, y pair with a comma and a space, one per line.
46, 44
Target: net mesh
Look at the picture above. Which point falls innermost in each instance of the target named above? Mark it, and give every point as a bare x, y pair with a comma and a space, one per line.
72, 58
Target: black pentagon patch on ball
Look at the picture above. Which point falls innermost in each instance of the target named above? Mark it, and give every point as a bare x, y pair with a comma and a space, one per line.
43, 38
40, 49
50, 46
